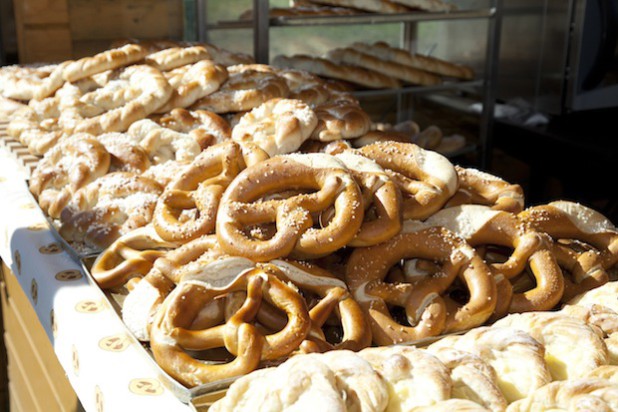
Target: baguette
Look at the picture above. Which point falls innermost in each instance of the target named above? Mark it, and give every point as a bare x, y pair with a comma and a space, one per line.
376, 6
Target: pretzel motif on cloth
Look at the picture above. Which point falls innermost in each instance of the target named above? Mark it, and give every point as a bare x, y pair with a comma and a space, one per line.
381, 199
568, 220
480, 225
131, 255
180, 135
426, 179
248, 86
429, 311
476, 187
328, 182
137, 92
65, 169
188, 207
192, 83
171, 336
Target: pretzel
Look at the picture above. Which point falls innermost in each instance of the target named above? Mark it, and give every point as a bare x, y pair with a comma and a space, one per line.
168, 59
381, 200
426, 308
340, 120
600, 316
331, 148
131, 255
109, 207
188, 207
181, 135
367, 61
65, 169
144, 90
25, 83
125, 154
170, 333
480, 225
164, 173
517, 357
161, 277
334, 298
582, 270
192, 83
107, 60
568, 220
278, 126
306, 87
430, 64
426, 179
476, 187
326, 68
321, 173
572, 348
247, 87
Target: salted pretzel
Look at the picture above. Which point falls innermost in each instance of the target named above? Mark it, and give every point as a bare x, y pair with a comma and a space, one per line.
171, 336
426, 179
192, 83
582, 269
278, 126
107, 60
306, 87
381, 200
131, 255
568, 220
331, 298
180, 135
340, 119
125, 154
28, 83
476, 187
65, 169
331, 148
161, 277
480, 225
164, 173
109, 207
137, 92
428, 310
248, 86
168, 59
328, 183
188, 207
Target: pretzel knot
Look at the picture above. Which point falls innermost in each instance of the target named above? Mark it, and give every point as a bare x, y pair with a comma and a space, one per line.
476, 187
172, 333
188, 207
480, 225
381, 200
582, 269
130, 255
428, 310
426, 179
568, 220
328, 183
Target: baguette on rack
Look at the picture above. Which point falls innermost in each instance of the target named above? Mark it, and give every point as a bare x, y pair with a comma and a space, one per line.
376, 6
397, 70
326, 68
427, 5
430, 64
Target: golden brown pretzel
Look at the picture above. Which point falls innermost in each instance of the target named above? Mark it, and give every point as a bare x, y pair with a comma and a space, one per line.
171, 336
329, 183
188, 207
480, 225
426, 179
340, 119
381, 200
248, 86
306, 87
131, 255
423, 301
161, 278
125, 154
582, 269
109, 207
65, 169
568, 220
476, 187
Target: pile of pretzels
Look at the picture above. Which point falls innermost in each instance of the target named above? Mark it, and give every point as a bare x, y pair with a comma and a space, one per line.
252, 214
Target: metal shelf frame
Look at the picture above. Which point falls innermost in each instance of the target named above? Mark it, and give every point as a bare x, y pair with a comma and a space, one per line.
262, 23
